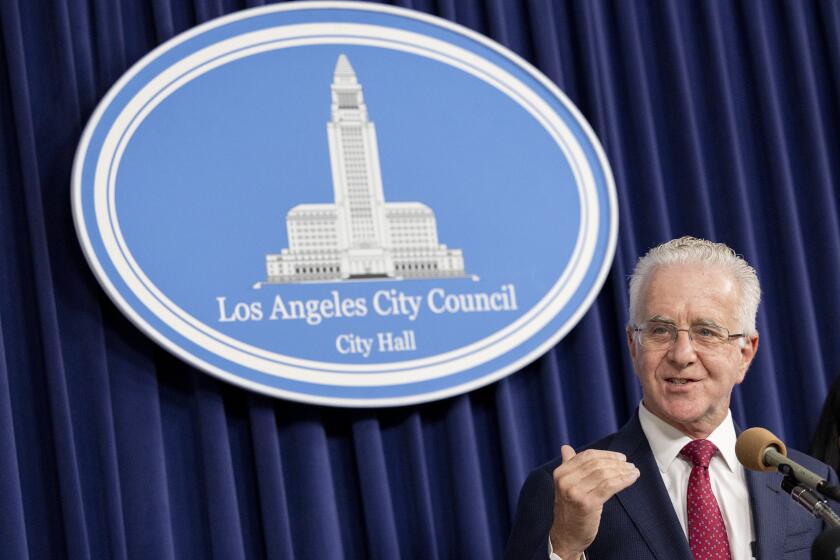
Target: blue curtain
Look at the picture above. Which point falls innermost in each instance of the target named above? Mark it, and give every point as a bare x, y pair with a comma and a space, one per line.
721, 120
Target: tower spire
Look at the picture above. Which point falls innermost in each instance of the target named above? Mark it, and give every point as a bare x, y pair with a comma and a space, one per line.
348, 102
344, 72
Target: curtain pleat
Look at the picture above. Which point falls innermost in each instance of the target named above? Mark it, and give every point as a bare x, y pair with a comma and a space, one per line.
217, 472
276, 526
408, 466
376, 492
163, 20
592, 376
90, 416
828, 14
543, 35
498, 26
718, 119
634, 154
12, 520
109, 43
95, 437
312, 500
134, 401
466, 497
510, 435
821, 223
621, 377
550, 425
691, 188
207, 9
66, 466
790, 242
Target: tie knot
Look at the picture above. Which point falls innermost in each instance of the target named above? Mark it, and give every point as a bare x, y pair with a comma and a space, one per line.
699, 452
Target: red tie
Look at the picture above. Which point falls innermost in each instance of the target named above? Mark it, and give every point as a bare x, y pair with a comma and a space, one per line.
706, 531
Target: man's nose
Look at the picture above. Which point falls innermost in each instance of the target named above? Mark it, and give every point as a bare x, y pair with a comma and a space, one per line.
682, 350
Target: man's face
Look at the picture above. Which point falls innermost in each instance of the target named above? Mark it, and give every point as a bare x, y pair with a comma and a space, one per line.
686, 295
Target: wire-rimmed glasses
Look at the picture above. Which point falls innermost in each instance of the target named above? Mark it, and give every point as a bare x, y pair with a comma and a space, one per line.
658, 335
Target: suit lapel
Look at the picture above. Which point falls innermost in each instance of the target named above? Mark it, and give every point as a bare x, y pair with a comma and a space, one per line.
647, 501
769, 508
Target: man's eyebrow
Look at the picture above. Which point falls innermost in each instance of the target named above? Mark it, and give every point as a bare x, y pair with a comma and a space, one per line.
668, 321
706, 323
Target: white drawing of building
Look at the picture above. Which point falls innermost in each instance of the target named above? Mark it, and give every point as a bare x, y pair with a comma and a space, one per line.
359, 235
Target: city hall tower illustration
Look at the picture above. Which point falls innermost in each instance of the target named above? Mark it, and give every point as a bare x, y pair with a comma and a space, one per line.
359, 235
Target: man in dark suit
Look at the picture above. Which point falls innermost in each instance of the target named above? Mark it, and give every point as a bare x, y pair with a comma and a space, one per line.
667, 485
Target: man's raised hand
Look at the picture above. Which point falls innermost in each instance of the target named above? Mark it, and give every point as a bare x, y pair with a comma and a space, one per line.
581, 486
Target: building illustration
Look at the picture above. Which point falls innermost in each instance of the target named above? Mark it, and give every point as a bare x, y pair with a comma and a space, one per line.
359, 235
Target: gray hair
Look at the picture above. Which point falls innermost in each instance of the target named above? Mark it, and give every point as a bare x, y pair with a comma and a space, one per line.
693, 250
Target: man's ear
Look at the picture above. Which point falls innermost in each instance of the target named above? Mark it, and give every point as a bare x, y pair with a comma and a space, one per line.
748, 351
630, 346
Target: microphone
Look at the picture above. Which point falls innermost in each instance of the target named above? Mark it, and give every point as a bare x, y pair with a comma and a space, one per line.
811, 501
759, 450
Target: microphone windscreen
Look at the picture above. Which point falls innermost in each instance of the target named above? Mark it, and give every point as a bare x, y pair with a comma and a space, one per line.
752, 444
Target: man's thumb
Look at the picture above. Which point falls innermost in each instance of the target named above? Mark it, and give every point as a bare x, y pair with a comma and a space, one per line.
567, 452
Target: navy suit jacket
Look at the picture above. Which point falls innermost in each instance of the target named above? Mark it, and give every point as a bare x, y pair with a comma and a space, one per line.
640, 523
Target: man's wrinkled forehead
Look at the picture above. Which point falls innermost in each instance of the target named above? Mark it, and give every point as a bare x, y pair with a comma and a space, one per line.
694, 292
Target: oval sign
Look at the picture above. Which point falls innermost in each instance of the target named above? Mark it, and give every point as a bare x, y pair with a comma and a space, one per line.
345, 204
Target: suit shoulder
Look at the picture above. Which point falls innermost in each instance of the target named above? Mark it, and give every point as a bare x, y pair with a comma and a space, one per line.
812, 464
533, 517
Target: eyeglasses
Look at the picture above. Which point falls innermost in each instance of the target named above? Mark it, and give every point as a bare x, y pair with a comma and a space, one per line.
662, 335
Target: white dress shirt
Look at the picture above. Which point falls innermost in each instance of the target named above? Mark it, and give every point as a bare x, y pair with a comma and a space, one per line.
729, 483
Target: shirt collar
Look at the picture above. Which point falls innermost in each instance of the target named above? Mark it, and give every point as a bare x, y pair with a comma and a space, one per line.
666, 441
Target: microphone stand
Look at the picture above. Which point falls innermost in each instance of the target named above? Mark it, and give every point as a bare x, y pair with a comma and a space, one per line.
807, 498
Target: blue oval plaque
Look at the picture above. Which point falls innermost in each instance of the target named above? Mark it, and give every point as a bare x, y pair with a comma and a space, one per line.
344, 204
